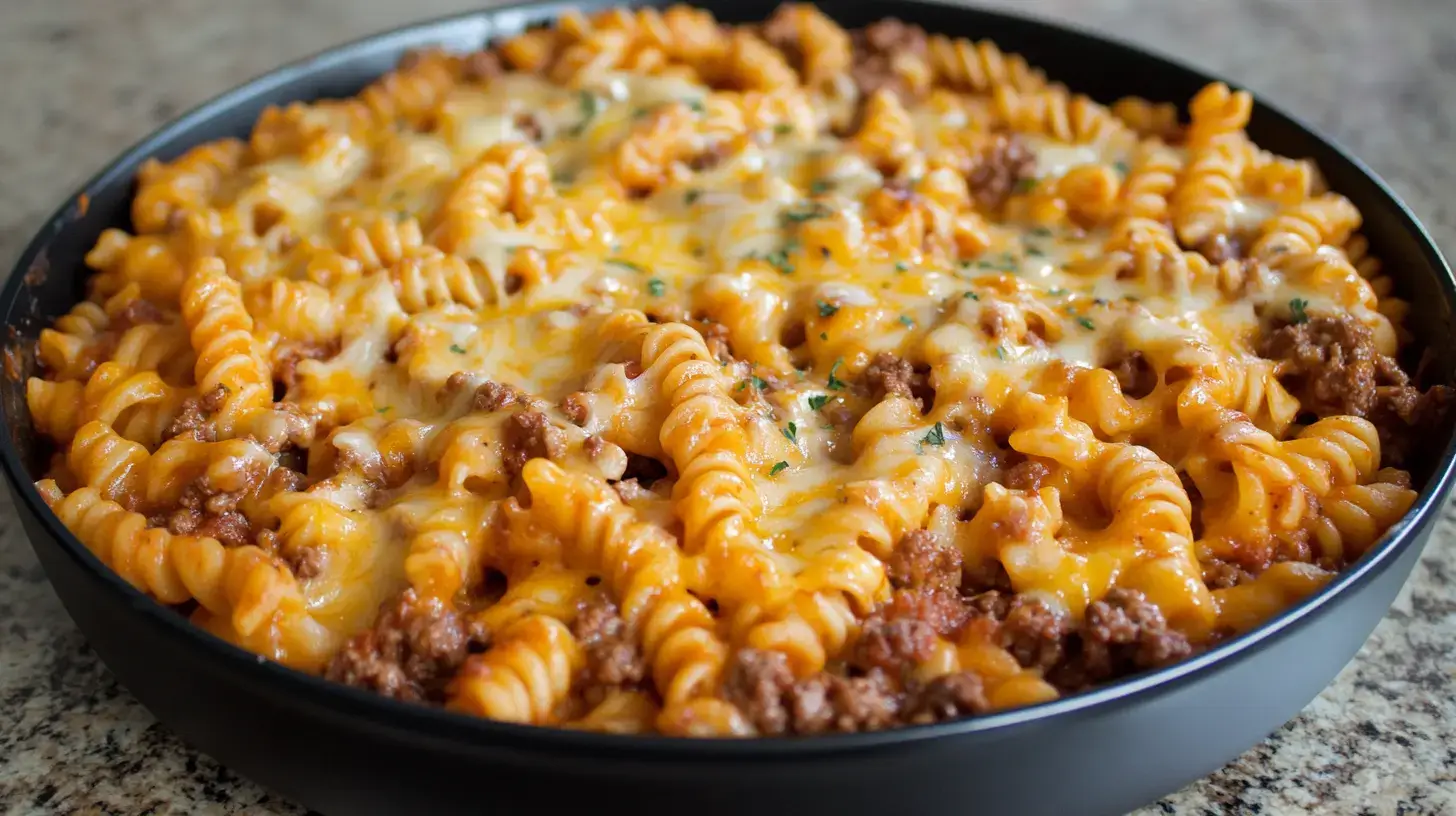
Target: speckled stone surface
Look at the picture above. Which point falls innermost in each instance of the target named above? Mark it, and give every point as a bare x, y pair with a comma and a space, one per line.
84, 78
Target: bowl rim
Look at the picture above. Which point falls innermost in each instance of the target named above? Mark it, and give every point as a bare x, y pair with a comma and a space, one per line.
338, 700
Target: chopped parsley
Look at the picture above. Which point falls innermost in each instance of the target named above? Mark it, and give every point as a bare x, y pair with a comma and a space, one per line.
778, 259
817, 401
779, 467
1025, 185
694, 105
821, 186
590, 105
1086, 323
1297, 313
457, 349
1041, 232
691, 196
656, 287
741, 385
1057, 291
1003, 262
1120, 167
562, 177
1034, 252
835, 383
972, 296
906, 321
625, 264
936, 436
383, 410
1001, 352
791, 433
901, 266
758, 382
783, 128
827, 309
807, 212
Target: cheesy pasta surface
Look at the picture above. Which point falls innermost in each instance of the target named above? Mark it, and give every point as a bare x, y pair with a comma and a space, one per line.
646, 374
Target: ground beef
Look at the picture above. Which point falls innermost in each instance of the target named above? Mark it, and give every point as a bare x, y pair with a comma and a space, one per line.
482, 66
494, 396
289, 355
593, 446
630, 490
893, 644
1135, 375
575, 407
760, 684
1222, 574
1331, 365
210, 515
715, 335
530, 435
888, 374
528, 124
948, 697
307, 562
942, 609
1033, 633
922, 560
1028, 474
989, 575
194, 421
875, 48
413, 649
1122, 633
613, 661
1006, 162
831, 703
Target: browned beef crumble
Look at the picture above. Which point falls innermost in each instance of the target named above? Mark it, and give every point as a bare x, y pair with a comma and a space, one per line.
1004, 164
613, 660
494, 396
194, 421
530, 435
1330, 364
948, 697
922, 560
875, 48
1123, 633
1135, 375
410, 653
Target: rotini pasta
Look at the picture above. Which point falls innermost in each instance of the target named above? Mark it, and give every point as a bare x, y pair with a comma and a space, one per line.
646, 374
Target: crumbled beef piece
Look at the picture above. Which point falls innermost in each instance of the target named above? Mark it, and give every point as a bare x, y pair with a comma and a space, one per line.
1135, 375
922, 560
830, 703
940, 608
210, 515
758, 682
593, 446
530, 435
613, 661
1122, 633
948, 697
893, 645
482, 66
194, 421
888, 374
574, 405
986, 576
715, 335
494, 396
1006, 162
1028, 474
307, 562
875, 49
289, 355
1033, 633
1330, 364
994, 604
414, 647
630, 490
528, 124
1219, 574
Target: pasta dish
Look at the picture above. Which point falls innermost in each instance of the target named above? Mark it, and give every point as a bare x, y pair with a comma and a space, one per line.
647, 374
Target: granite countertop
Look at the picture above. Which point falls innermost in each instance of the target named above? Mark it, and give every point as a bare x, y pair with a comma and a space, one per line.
85, 78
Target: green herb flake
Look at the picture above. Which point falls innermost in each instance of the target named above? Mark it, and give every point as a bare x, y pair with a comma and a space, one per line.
807, 212
827, 309
817, 401
779, 467
656, 287
691, 196
835, 384
906, 321
821, 186
383, 410
936, 436
1001, 352
759, 382
457, 349
1025, 185
972, 296
590, 105
791, 433
1033, 252
901, 266
1086, 323
694, 105
741, 385
823, 335
626, 264
783, 128
1297, 312
1057, 291
562, 177
1120, 167
1041, 232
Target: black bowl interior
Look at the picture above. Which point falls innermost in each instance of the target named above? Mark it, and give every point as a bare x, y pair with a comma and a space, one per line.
50, 277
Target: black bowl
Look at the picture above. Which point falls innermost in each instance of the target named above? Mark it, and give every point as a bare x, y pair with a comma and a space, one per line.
342, 750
